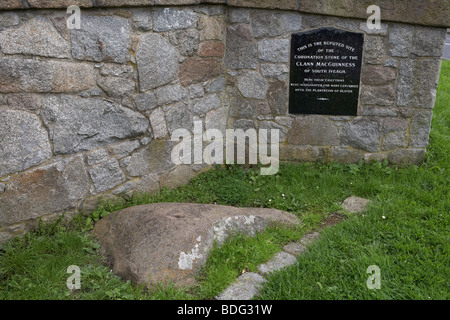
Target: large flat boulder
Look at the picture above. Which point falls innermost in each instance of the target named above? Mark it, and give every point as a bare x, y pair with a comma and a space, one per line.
162, 242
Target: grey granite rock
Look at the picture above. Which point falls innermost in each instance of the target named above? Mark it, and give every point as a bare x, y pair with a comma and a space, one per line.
274, 50
101, 38
154, 242
167, 19
157, 61
78, 124
279, 261
107, 175
362, 134
23, 141
245, 287
241, 49
252, 85
25, 40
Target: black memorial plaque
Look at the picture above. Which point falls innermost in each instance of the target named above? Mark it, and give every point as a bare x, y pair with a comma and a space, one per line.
325, 71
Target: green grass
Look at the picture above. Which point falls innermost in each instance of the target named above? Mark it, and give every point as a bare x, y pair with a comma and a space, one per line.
405, 231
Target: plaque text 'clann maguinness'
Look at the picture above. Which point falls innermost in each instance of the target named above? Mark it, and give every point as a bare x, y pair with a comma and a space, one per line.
325, 70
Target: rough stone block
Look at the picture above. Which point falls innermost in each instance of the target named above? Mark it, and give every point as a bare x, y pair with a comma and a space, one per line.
313, 130
384, 95
195, 70
8, 19
212, 49
25, 40
276, 71
216, 85
294, 248
117, 87
125, 188
266, 24
238, 15
12, 4
148, 184
184, 235
101, 38
117, 70
355, 204
309, 238
377, 157
153, 158
314, 21
187, 41
417, 83
377, 111
178, 117
407, 156
26, 75
59, 3
300, 153
401, 39
247, 108
170, 93
196, 91
344, 155
24, 101
274, 50
270, 4
168, 19
362, 134
292, 21
78, 124
241, 49
97, 156
217, 119
211, 10
377, 75
383, 30
107, 175
205, 104
179, 176
252, 85
374, 49
123, 149
429, 42
419, 132
394, 124
157, 61
143, 20
244, 124
244, 288
55, 188
394, 140
145, 101
23, 141
277, 98
391, 63
212, 28
270, 125
158, 124
279, 261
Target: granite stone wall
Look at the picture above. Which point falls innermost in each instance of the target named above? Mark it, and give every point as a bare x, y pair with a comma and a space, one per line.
89, 113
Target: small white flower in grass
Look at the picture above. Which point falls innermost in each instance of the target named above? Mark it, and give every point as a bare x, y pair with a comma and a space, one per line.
270, 200
282, 195
383, 217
